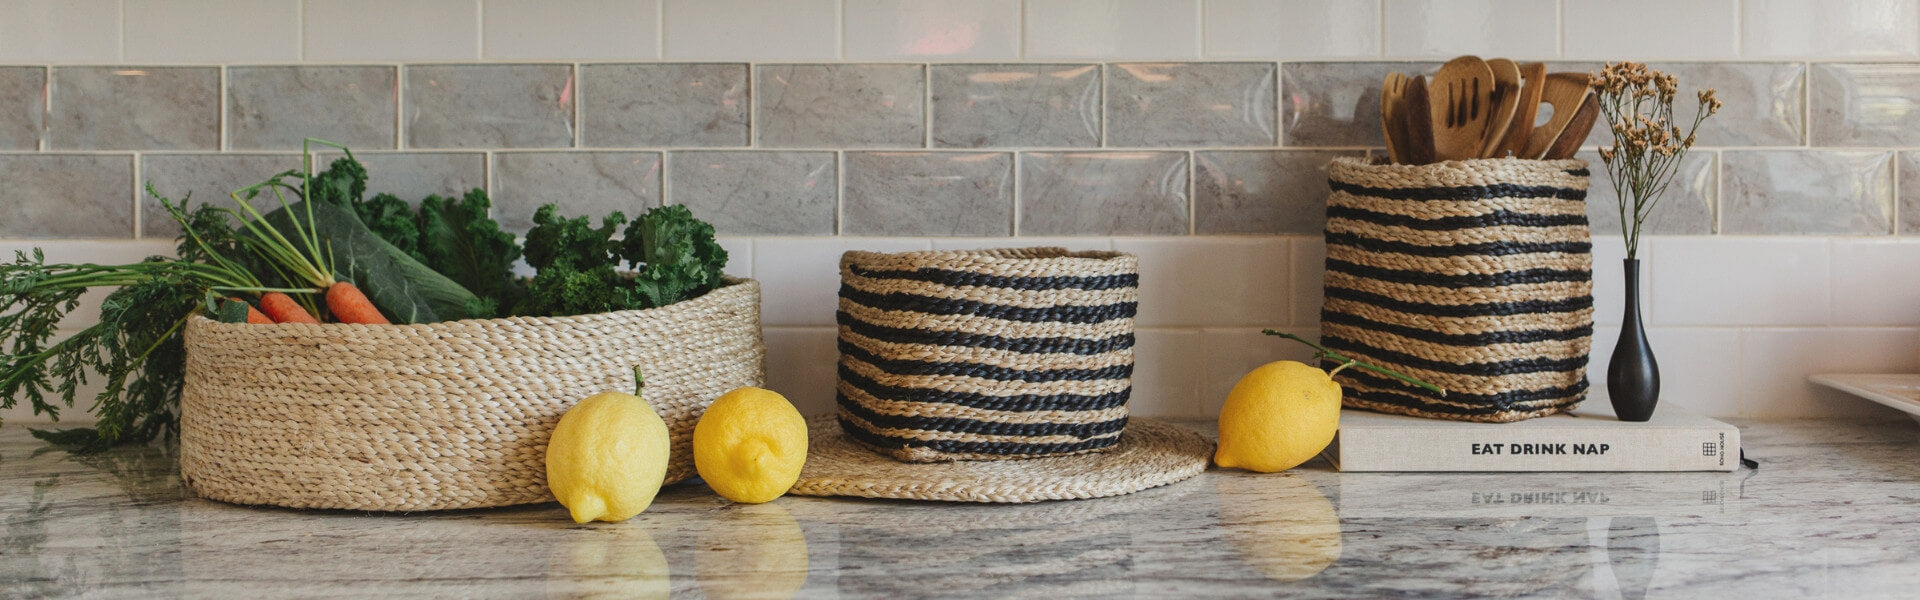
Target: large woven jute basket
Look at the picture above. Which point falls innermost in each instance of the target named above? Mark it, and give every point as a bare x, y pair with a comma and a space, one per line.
442, 415
989, 354
1475, 275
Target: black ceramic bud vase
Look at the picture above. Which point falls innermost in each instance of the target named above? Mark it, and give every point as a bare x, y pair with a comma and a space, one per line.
1633, 378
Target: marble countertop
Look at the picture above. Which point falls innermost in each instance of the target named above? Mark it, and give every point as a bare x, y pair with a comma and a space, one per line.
1832, 512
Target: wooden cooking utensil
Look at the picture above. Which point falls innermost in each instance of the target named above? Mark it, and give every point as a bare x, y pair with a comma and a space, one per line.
1460, 99
1565, 92
1418, 121
1506, 100
1570, 138
1533, 76
1393, 123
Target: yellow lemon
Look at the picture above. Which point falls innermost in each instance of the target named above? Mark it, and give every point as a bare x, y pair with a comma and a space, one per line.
750, 445
1278, 416
608, 457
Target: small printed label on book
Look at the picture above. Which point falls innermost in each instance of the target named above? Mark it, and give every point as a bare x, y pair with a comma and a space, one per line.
1518, 449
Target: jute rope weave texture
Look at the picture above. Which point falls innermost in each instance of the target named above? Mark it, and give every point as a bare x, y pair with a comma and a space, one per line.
442, 415
1474, 275
992, 354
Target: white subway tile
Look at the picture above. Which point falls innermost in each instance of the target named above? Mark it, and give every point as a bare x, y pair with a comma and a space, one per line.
1308, 277
1824, 28
212, 31
1775, 363
801, 365
1292, 29
1645, 29
1876, 282
1208, 281
1112, 29
578, 29
1610, 279
60, 31
739, 255
379, 30
1164, 364
1232, 353
800, 277
1518, 29
751, 30
1699, 368
1738, 281
932, 29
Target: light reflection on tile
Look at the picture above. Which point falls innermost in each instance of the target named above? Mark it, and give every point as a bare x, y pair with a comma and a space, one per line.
1103, 193
489, 106
276, 108
936, 29
867, 106
1261, 191
757, 193
928, 193
984, 106
581, 183
1686, 208
134, 108
1866, 105
1336, 103
1175, 104
1762, 101
1807, 192
663, 105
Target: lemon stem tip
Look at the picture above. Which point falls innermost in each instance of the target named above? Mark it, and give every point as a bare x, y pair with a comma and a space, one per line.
639, 380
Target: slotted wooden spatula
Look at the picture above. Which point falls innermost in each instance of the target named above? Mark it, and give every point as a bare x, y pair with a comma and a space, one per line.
1506, 100
1532, 80
1419, 124
1460, 99
1565, 92
1393, 122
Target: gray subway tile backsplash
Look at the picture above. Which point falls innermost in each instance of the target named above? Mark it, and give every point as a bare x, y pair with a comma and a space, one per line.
580, 183
1909, 193
928, 194
209, 178
412, 176
277, 108
1261, 191
1820, 192
1866, 105
1103, 193
840, 105
1016, 105
67, 195
1686, 209
1336, 103
1763, 101
753, 192
23, 107
489, 106
663, 105
134, 108
1190, 104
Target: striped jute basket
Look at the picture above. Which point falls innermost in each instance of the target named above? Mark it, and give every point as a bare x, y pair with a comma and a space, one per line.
1474, 275
441, 415
991, 354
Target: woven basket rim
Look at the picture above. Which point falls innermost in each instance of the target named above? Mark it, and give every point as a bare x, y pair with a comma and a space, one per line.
731, 286
1471, 164
996, 255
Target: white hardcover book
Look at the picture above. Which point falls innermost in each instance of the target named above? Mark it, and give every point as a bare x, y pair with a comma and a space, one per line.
1584, 440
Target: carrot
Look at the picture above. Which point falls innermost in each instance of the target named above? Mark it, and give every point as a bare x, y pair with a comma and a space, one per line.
283, 309
254, 315
348, 305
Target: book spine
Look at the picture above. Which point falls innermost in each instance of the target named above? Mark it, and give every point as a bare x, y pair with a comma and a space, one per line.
1539, 450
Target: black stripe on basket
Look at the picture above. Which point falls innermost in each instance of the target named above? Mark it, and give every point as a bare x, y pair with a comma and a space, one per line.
1579, 172
1025, 345
1486, 403
958, 447
956, 425
1480, 249
980, 371
1467, 280
1469, 192
969, 278
1079, 315
1484, 309
1015, 403
1476, 369
1492, 219
1458, 339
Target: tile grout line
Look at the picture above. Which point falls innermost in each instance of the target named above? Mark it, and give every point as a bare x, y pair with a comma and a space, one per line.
840, 193
660, 29
138, 227
225, 83
400, 108
1019, 194
926, 105
579, 129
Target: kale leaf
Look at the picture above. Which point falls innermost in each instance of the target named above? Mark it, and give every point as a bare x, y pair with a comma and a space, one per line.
673, 254
460, 241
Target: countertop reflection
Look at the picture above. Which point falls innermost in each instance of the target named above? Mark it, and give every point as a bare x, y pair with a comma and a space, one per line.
1830, 513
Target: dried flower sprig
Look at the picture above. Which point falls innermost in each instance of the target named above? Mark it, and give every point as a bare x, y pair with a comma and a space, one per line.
1637, 104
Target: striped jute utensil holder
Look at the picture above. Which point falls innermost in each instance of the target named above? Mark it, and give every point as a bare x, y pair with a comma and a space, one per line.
991, 354
1474, 275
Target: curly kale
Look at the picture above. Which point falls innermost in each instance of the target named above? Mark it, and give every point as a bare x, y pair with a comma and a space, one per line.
460, 241
676, 255
673, 254
392, 219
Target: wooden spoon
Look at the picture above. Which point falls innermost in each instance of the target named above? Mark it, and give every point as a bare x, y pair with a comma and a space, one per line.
1506, 100
1533, 77
1393, 123
1565, 92
1460, 104
1576, 132
1416, 112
